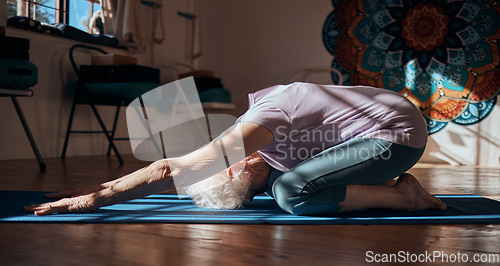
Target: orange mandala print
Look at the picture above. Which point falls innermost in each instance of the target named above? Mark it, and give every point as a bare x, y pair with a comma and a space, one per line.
442, 55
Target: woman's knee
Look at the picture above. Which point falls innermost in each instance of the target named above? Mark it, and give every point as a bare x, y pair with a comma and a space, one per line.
311, 199
289, 196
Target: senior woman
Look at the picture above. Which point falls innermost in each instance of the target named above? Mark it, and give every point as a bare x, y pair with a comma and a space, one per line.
317, 149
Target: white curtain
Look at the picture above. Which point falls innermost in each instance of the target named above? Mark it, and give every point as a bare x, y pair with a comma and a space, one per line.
129, 21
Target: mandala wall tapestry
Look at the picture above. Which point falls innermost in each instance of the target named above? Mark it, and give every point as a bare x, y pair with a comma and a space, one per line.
442, 55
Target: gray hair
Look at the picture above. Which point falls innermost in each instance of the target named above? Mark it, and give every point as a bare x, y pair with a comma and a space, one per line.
232, 194
222, 192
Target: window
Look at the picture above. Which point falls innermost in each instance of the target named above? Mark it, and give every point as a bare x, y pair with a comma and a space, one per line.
76, 13
48, 11
80, 12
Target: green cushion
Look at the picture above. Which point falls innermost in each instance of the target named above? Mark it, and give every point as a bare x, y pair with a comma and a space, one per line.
17, 74
219, 95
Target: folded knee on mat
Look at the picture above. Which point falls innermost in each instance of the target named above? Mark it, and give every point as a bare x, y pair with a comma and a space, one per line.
294, 202
300, 202
285, 196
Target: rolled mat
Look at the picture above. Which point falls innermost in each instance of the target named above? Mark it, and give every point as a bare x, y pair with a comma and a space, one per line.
168, 208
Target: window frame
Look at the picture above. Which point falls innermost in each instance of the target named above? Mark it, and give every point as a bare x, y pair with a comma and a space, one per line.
61, 9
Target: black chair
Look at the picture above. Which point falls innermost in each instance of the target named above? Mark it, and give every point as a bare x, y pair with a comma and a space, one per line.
17, 76
109, 86
13, 94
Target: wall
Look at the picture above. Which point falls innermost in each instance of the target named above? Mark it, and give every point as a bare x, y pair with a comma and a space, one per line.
255, 44
47, 112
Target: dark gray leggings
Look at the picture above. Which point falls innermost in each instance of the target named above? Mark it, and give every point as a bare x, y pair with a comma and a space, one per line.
318, 185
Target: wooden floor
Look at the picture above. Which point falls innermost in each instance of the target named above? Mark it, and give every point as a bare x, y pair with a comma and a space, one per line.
195, 244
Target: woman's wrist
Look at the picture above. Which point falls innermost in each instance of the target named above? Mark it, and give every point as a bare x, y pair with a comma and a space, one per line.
160, 172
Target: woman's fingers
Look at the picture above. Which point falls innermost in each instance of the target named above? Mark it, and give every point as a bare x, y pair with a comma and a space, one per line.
66, 205
44, 209
74, 192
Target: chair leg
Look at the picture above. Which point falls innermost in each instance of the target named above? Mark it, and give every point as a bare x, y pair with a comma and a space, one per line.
103, 127
28, 133
68, 131
114, 128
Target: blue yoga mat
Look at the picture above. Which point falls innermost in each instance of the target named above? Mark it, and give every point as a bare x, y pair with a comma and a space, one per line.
167, 208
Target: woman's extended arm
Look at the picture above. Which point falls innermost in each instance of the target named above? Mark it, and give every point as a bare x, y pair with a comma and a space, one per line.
158, 177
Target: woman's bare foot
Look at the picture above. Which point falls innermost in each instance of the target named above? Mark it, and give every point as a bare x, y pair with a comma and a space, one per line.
418, 198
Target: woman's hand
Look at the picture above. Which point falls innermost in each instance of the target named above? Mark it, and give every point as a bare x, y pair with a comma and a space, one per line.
152, 179
78, 200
